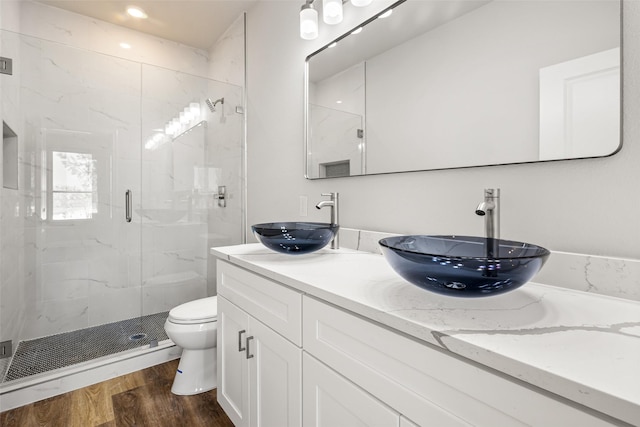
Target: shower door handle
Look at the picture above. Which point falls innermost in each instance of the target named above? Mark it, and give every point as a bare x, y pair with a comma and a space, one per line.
127, 205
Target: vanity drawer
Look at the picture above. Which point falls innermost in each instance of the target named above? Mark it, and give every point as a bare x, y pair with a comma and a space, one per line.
275, 305
423, 383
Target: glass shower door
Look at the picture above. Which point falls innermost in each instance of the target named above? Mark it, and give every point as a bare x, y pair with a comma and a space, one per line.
191, 183
82, 123
76, 116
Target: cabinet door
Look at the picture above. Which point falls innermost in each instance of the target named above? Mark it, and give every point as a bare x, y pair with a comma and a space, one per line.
275, 376
233, 384
330, 400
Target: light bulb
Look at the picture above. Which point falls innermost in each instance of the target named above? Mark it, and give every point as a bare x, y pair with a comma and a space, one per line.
386, 14
332, 11
136, 12
361, 3
308, 22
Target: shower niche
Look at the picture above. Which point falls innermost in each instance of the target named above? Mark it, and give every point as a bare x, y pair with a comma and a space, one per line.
9, 158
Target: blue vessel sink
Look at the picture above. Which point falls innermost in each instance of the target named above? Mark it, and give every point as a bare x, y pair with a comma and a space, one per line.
463, 266
295, 238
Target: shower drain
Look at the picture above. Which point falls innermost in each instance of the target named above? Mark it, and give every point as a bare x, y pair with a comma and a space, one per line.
137, 337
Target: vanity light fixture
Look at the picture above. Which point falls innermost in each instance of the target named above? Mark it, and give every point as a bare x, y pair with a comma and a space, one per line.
332, 11
332, 14
308, 21
361, 3
136, 12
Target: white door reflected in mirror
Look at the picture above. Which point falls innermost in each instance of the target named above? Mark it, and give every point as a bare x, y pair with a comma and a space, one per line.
580, 107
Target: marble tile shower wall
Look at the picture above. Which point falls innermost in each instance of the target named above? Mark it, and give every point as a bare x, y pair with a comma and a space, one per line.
224, 160
13, 270
226, 56
185, 175
57, 25
83, 89
77, 101
224, 154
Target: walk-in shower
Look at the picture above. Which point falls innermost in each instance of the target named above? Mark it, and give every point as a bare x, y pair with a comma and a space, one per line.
87, 271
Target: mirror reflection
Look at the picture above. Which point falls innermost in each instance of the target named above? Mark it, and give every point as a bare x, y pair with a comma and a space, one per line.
454, 84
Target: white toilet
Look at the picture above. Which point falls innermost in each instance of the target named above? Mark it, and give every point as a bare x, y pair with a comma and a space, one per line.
193, 327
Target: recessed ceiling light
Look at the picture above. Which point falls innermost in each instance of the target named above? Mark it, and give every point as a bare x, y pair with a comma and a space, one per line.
136, 12
125, 45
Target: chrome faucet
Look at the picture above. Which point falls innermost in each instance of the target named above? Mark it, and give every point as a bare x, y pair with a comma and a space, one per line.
333, 203
490, 209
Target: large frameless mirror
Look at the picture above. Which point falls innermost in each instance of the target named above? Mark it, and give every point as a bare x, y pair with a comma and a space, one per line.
461, 83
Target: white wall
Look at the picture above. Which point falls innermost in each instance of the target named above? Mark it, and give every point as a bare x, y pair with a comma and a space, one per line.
472, 93
585, 206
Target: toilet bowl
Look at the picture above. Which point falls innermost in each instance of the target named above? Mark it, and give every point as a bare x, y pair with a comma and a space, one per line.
193, 326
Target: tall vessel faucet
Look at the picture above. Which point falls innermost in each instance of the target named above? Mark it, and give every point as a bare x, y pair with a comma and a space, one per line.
333, 204
490, 209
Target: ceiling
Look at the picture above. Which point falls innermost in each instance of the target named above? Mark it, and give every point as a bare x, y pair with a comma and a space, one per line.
197, 23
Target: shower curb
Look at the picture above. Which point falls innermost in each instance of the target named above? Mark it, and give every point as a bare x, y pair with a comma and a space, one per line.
68, 379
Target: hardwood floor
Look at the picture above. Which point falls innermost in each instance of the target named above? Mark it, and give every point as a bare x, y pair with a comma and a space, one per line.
138, 399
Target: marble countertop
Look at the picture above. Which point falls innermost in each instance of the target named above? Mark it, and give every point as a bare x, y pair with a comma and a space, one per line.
581, 346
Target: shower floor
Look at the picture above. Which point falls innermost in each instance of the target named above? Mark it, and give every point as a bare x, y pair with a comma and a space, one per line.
70, 348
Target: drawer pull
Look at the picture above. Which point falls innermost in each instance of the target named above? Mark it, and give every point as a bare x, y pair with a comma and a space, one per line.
240, 347
249, 356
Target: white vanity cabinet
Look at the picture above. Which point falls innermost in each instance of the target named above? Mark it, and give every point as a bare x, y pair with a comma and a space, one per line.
259, 354
287, 359
427, 385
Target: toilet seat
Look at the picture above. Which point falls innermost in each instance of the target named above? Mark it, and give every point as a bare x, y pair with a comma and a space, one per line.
204, 310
